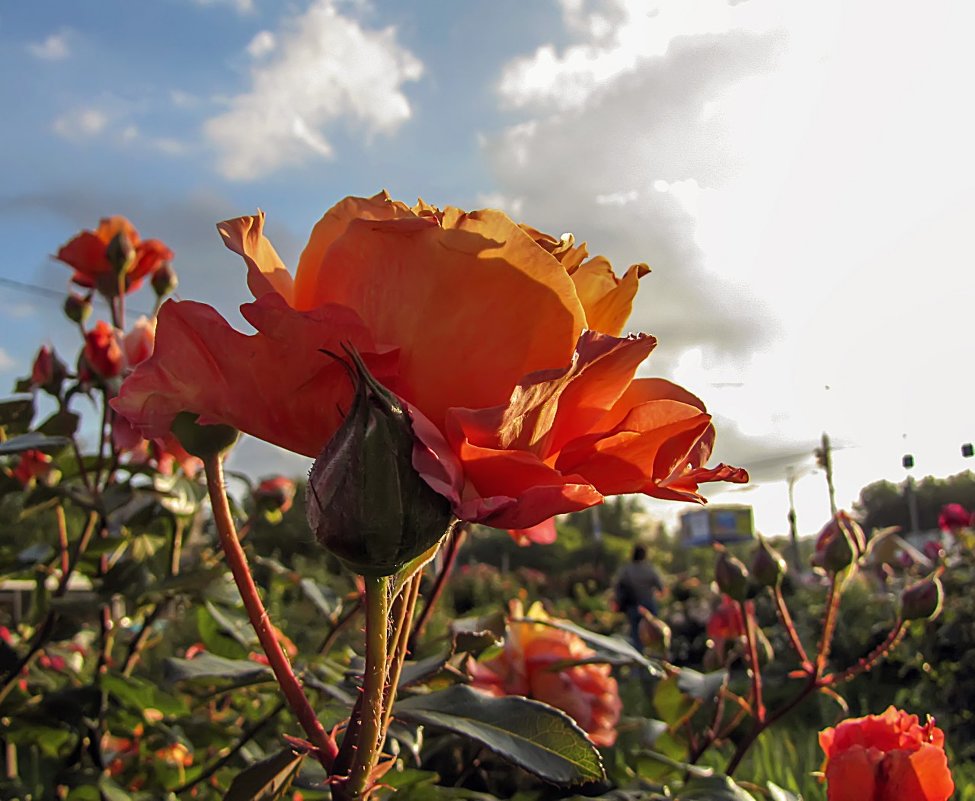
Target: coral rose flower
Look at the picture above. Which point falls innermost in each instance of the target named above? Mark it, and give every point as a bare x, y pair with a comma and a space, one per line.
32, 465
888, 757
87, 253
503, 344
528, 666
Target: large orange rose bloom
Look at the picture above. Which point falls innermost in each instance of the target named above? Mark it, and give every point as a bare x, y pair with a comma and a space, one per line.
888, 757
503, 343
529, 666
87, 253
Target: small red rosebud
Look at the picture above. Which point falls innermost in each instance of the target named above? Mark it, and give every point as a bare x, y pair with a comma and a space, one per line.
32, 465
840, 544
923, 599
102, 350
275, 494
48, 371
768, 565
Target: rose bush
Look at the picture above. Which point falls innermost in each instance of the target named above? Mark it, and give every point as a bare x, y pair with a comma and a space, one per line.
503, 344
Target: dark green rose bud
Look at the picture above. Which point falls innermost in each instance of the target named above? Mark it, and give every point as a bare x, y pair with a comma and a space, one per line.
768, 565
200, 440
120, 253
923, 599
366, 502
840, 544
164, 280
731, 576
77, 308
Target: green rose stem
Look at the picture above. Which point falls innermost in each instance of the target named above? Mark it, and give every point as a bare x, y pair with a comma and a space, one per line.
237, 560
367, 745
406, 604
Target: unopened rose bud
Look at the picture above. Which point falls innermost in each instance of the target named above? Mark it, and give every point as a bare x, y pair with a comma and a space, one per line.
120, 253
139, 342
77, 308
768, 566
840, 544
102, 352
366, 502
654, 633
48, 371
164, 280
200, 440
274, 496
731, 576
923, 599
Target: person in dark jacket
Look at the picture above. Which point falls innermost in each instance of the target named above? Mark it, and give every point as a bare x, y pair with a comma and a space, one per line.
636, 587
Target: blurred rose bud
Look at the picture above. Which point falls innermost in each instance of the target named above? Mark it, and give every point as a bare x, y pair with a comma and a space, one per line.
654, 633
768, 565
731, 576
840, 544
48, 371
120, 253
275, 495
923, 599
164, 280
33, 465
139, 342
953, 517
366, 502
102, 350
77, 307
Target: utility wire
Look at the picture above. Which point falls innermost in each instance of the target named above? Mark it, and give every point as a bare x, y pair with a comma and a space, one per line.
53, 294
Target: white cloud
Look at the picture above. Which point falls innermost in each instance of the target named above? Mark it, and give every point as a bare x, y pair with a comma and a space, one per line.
804, 209
53, 48
242, 7
262, 44
80, 123
326, 67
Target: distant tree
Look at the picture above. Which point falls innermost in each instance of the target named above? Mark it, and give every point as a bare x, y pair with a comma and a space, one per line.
884, 503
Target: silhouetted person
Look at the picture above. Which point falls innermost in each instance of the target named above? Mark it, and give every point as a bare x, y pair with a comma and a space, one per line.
637, 586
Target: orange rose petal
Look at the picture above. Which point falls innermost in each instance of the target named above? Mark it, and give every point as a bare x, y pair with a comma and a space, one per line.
311, 279
86, 254
515, 489
542, 534
640, 452
920, 776
276, 385
474, 304
265, 270
852, 775
608, 300
148, 256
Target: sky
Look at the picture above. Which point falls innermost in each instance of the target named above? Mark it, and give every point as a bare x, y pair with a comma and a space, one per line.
798, 176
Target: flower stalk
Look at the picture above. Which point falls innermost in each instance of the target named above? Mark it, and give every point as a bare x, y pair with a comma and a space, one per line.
325, 745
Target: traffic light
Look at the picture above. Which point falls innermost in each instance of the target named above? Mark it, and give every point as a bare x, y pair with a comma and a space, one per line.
908, 461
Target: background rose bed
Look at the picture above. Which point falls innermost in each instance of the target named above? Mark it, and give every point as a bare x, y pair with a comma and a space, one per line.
142, 678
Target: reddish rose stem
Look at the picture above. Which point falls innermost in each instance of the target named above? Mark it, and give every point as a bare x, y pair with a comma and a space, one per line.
790, 627
283, 672
748, 613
